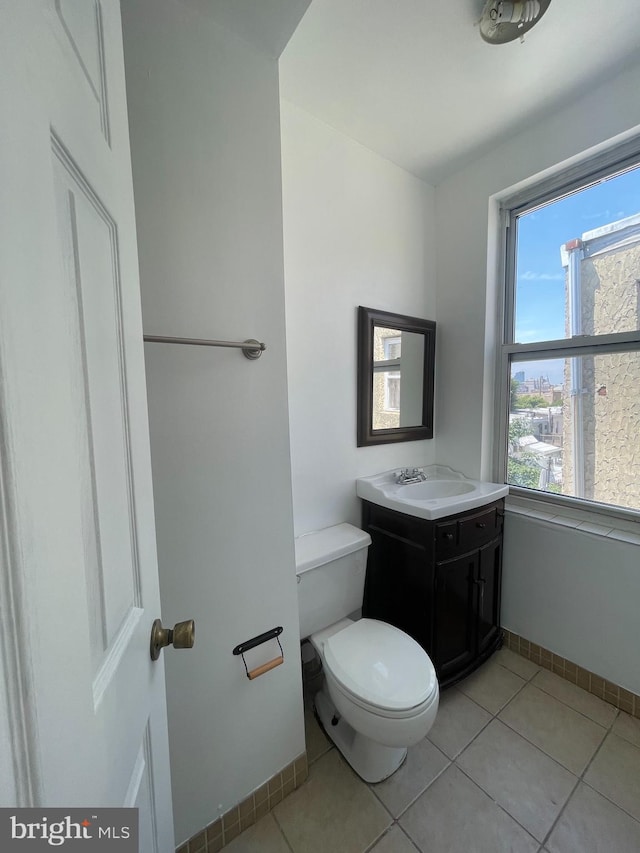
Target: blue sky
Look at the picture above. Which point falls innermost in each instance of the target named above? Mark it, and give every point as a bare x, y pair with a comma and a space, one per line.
540, 296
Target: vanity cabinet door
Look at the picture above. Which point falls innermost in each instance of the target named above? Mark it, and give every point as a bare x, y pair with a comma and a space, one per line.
489, 585
455, 593
399, 584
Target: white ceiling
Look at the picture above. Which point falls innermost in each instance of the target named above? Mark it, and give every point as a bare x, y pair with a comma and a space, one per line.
414, 81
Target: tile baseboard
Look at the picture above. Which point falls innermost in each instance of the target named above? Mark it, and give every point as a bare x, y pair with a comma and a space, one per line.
220, 832
612, 693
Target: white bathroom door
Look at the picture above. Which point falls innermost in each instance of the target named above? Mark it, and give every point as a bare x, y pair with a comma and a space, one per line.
82, 706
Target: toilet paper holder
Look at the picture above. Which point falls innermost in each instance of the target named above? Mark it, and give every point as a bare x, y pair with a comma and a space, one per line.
241, 648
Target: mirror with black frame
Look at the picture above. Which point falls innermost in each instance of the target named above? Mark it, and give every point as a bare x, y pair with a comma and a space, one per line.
396, 366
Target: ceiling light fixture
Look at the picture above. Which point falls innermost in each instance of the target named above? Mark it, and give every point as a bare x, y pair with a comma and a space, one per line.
503, 21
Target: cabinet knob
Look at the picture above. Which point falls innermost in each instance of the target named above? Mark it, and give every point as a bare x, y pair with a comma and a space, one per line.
481, 524
448, 536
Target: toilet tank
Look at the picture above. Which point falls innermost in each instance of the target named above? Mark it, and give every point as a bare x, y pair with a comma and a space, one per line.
330, 565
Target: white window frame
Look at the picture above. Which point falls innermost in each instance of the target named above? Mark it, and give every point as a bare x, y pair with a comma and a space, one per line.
395, 374
578, 177
390, 341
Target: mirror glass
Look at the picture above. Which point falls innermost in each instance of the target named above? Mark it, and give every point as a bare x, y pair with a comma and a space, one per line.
398, 361
395, 377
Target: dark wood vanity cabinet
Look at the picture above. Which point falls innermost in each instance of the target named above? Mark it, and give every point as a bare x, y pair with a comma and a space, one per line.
439, 581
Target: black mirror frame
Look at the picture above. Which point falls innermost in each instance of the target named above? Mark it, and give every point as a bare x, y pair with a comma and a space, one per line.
367, 319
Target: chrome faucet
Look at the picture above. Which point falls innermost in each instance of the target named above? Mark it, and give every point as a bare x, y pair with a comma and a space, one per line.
410, 475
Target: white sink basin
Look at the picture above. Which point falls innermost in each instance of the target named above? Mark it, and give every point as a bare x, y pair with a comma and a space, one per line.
431, 490
444, 492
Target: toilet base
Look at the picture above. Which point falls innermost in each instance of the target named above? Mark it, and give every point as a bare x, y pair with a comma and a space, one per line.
372, 761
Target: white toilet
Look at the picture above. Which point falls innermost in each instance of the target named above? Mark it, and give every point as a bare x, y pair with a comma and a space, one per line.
380, 692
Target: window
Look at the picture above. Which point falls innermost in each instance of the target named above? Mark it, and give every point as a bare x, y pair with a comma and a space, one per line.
392, 391
570, 362
392, 346
392, 352
387, 352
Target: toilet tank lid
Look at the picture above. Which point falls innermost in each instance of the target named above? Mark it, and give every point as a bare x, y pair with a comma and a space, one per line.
321, 546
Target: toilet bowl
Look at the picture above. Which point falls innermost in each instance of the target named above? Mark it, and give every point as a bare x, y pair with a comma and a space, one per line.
379, 697
380, 693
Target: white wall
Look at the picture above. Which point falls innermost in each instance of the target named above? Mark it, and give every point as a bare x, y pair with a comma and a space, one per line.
575, 593
358, 230
205, 135
534, 575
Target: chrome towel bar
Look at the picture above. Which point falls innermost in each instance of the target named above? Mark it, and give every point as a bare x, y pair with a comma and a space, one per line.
251, 348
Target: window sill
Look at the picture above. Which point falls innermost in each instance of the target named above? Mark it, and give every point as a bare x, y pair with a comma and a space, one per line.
586, 521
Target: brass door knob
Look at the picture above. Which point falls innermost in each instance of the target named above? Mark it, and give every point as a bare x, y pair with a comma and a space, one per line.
181, 636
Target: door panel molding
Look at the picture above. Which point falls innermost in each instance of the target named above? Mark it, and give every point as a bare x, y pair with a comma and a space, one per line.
18, 730
141, 793
119, 646
115, 589
86, 40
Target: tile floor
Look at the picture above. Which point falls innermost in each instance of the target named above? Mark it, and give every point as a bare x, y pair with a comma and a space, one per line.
518, 760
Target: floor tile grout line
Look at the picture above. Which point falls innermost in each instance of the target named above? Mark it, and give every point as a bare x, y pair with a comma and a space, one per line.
553, 696
581, 780
537, 746
499, 805
379, 838
626, 739
562, 810
531, 744
623, 739
609, 800
494, 716
529, 678
282, 832
322, 754
553, 758
511, 698
367, 786
410, 839
593, 788
370, 847
426, 788
607, 728
575, 684
386, 832
593, 757
476, 735
384, 805
568, 681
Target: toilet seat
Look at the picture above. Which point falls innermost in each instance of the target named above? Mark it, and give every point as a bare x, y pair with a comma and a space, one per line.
382, 713
381, 668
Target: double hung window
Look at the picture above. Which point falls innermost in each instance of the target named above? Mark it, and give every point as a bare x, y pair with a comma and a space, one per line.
570, 359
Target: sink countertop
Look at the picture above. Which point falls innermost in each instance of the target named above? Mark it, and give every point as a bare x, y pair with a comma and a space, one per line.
444, 492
